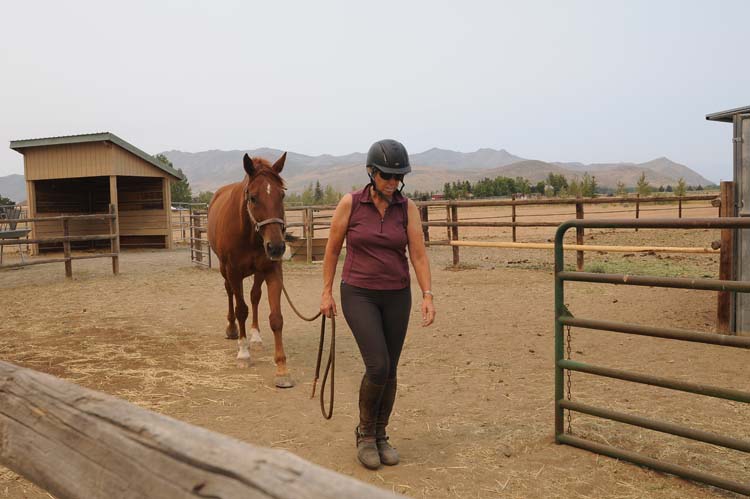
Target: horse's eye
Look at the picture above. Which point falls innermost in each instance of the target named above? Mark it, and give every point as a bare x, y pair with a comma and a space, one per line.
253, 199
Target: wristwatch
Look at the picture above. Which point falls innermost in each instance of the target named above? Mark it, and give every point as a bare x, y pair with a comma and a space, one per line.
427, 292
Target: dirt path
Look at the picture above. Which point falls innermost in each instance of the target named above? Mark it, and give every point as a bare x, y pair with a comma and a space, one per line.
474, 413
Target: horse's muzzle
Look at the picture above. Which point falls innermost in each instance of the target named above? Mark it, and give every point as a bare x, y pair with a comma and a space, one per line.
275, 251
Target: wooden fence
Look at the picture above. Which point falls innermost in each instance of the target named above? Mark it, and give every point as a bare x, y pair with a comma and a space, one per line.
78, 443
313, 217
66, 239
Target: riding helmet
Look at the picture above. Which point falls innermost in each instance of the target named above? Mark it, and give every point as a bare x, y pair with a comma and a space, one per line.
388, 156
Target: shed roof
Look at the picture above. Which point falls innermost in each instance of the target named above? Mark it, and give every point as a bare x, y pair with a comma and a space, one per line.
728, 115
20, 145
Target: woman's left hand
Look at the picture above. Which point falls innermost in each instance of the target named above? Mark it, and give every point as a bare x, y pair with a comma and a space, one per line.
428, 311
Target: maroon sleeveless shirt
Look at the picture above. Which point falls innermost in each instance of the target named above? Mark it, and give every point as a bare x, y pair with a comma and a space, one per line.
375, 247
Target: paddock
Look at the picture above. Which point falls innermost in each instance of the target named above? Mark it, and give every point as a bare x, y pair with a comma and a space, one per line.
474, 414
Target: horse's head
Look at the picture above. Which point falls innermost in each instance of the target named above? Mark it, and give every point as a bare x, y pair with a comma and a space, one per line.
264, 200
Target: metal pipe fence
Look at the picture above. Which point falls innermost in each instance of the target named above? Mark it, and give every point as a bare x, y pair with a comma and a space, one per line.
564, 320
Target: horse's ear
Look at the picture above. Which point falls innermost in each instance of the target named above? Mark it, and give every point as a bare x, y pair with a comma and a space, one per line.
279, 165
249, 166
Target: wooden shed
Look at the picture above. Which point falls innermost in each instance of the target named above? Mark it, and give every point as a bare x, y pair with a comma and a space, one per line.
82, 174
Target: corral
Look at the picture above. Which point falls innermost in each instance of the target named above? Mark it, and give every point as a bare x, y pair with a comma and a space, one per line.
474, 416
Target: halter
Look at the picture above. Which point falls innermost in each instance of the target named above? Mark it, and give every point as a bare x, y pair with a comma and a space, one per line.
267, 221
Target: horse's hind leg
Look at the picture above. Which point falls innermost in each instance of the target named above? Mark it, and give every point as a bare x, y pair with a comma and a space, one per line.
240, 309
231, 330
255, 295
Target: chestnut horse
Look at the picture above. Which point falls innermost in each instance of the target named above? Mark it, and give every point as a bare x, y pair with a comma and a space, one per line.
246, 231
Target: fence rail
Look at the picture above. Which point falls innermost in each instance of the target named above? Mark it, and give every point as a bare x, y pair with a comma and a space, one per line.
564, 319
76, 443
66, 239
318, 216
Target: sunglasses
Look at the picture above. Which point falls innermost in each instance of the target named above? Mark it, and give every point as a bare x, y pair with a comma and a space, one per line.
389, 176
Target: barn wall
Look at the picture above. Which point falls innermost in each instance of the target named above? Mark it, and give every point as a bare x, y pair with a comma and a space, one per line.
91, 159
127, 164
143, 221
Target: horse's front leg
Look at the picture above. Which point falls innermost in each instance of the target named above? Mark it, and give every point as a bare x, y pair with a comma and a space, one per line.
255, 295
240, 310
231, 330
274, 282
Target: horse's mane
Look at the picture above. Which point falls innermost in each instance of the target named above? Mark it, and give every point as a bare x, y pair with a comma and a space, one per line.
264, 168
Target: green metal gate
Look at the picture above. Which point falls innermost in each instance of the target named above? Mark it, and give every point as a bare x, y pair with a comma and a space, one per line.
565, 319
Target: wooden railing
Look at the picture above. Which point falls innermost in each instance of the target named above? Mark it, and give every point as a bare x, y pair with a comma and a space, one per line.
318, 216
66, 239
78, 443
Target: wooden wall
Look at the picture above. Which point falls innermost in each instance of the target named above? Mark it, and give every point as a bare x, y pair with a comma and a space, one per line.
91, 159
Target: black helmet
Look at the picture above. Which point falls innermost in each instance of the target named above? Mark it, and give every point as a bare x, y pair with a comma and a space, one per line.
388, 156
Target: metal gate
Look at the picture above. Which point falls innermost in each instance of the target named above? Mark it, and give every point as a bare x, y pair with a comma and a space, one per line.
200, 251
565, 319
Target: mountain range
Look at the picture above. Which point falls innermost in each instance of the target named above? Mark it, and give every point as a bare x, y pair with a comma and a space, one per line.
431, 169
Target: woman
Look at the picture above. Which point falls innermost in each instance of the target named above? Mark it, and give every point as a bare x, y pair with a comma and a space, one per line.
378, 223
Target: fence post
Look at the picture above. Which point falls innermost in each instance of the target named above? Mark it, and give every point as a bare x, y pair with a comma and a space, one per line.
115, 241
196, 235
726, 260
513, 216
454, 216
679, 207
310, 234
448, 220
579, 234
424, 216
66, 249
637, 207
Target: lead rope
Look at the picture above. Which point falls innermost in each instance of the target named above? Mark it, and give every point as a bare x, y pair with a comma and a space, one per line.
330, 365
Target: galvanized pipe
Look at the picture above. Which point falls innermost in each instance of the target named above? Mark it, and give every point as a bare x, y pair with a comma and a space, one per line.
674, 469
659, 282
710, 391
651, 424
658, 332
657, 223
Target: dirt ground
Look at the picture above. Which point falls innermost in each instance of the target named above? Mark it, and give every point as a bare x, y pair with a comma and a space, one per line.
474, 412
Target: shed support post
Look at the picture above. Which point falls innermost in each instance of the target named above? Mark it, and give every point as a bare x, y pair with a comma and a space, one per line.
579, 236
726, 261
115, 224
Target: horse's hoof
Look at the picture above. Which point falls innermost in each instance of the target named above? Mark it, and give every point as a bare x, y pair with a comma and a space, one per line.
255, 340
232, 332
284, 381
243, 363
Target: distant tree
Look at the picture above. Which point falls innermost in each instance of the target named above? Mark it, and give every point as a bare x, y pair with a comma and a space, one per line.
588, 185
6, 201
681, 187
621, 190
203, 197
540, 187
690, 188
318, 194
557, 181
661, 188
308, 195
669, 188
574, 189
181, 192
642, 186
699, 188
331, 195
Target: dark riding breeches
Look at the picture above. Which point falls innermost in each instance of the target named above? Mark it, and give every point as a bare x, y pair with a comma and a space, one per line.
379, 320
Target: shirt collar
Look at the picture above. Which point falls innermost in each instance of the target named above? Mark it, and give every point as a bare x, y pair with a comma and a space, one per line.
398, 198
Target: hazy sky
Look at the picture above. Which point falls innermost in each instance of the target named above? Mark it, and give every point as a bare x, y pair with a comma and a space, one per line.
589, 81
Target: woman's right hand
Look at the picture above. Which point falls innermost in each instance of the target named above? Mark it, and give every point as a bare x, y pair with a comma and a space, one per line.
328, 305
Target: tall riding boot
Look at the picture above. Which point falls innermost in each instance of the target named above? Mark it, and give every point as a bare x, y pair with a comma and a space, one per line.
388, 455
369, 401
